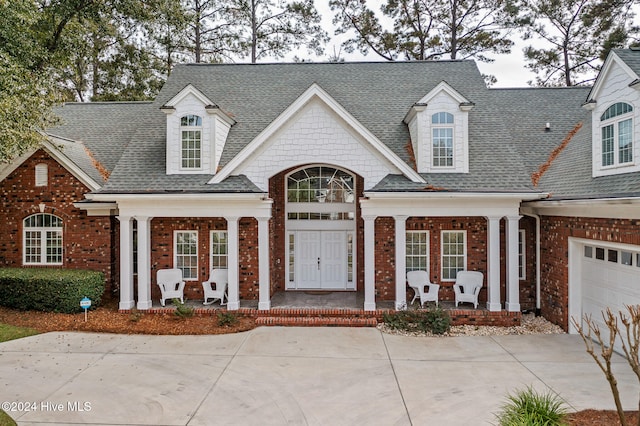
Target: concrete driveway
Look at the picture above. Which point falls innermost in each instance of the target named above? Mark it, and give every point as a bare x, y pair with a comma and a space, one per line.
292, 376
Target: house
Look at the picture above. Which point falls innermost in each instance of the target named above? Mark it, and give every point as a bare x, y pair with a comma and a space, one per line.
343, 177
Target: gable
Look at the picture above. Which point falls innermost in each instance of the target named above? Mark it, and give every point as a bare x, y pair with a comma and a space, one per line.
315, 129
72, 156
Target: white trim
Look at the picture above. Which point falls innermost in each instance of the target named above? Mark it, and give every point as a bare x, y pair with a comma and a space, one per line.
613, 208
57, 154
428, 254
211, 254
65, 162
315, 91
602, 76
175, 252
42, 230
522, 244
189, 89
464, 267
443, 86
41, 171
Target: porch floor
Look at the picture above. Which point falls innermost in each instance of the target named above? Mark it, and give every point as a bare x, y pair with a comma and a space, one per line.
321, 300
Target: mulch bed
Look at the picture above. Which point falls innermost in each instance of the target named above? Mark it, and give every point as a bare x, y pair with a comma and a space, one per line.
107, 319
600, 418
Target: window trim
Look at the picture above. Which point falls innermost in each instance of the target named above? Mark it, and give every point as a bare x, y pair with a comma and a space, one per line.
176, 255
43, 240
614, 121
212, 254
41, 175
426, 255
442, 255
522, 254
197, 128
443, 126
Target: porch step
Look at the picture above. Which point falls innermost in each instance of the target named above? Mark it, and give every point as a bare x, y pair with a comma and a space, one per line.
316, 321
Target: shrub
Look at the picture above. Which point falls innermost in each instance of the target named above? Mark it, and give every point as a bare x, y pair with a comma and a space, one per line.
51, 290
436, 320
226, 319
182, 310
530, 408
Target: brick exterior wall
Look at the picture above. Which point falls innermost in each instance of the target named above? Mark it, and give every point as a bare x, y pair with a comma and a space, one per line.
277, 231
476, 228
162, 252
555, 254
88, 241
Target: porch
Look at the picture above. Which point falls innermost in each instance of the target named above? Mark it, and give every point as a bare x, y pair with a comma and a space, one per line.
319, 308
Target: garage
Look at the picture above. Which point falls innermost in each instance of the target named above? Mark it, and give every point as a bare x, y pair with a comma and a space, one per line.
602, 275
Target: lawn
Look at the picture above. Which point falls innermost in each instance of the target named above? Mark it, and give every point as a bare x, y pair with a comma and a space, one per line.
10, 332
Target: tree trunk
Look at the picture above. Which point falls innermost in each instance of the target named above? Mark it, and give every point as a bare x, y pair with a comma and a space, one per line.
254, 31
454, 29
198, 32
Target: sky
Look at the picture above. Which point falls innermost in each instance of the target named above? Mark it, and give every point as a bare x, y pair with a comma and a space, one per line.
509, 69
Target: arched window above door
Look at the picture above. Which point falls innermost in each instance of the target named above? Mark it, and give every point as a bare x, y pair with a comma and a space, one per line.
320, 184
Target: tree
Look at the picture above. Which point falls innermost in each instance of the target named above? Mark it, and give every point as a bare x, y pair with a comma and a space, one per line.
269, 28
427, 29
578, 34
25, 108
209, 36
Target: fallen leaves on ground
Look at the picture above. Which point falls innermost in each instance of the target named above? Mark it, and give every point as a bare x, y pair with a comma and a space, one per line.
107, 319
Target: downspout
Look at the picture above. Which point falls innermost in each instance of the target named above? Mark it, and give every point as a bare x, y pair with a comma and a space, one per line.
538, 297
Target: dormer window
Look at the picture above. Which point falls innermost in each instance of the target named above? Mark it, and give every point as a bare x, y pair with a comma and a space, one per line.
442, 139
191, 139
616, 125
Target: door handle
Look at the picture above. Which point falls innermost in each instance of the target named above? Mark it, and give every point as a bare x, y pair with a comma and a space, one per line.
318, 264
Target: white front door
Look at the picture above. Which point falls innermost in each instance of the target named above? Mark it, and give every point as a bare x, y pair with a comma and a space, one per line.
320, 260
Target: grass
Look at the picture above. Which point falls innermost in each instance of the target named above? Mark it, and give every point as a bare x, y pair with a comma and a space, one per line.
530, 408
10, 332
5, 420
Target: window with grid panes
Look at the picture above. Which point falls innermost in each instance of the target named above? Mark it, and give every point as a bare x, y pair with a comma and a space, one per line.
453, 253
42, 240
417, 251
186, 253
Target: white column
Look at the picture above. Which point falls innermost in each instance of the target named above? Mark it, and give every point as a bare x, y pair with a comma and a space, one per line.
369, 263
144, 262
493, 264
232, 263
513, 279
126, 263
401, 252
264, 304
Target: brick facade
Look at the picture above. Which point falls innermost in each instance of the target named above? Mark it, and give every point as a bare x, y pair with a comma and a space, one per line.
555, 251
162, 252
88, 241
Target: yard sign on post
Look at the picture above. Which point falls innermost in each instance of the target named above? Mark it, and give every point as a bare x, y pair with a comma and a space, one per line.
85, 304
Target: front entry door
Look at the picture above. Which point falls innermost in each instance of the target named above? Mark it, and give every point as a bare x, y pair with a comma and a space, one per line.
321, 260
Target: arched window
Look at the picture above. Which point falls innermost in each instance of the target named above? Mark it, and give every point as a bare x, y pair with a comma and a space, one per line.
42, 240
320, 184
191, 138
442, 139
616, 127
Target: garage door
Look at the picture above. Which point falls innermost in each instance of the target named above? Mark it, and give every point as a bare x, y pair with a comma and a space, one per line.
610, 278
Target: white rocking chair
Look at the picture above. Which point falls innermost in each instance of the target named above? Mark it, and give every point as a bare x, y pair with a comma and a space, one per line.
171, 284
467, 287
418, 280
219, 278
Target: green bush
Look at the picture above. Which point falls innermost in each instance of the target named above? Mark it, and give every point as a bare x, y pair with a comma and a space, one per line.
436, 320
529, 408
182, 310
226, 319
50, 290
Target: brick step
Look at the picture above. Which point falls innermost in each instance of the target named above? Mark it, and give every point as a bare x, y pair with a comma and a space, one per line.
316, 321
315, 312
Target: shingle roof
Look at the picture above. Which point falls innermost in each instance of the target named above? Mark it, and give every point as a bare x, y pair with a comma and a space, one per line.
631, 57
507, 137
